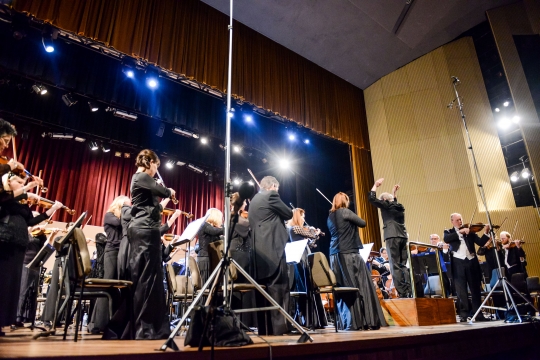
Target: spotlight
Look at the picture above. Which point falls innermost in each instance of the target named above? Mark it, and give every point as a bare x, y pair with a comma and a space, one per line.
222, 147
180, 163
170, 164
237, 148
93, 145
284, 163
121, 114
39, 89
47, 36
264, 160
504, 123
195, 168
61, 136
514, 177
118, 154
79, 139
185, 132
248, 118
152, 83
250, 182
47, 44
516, 119
525, 173
292, 137
105, 148
130, 73
506, 103
152, 76
204, 140
497, 110
68, 100
93, 106
237, 181
306, 141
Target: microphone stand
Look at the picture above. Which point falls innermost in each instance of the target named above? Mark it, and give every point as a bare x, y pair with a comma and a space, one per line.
502, 279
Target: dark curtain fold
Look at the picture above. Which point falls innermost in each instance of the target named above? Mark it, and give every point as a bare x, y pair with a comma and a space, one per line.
88, 180
191, 38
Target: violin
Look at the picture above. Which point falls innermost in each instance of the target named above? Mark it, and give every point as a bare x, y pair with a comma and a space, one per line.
474, 228
169, 212
46, 203
244, 214
46, 231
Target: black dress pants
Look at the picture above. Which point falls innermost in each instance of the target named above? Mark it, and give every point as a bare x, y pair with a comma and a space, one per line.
467, 273
277, 286
398, 258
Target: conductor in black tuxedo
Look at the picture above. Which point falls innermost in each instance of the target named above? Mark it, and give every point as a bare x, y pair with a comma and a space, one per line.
395, 235
267, 214
465, 266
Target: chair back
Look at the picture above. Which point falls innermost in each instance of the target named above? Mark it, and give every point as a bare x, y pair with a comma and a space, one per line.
171, 282
181, 282
321, 273
533, 283
195, 273
215, 251
518, 281
84, 265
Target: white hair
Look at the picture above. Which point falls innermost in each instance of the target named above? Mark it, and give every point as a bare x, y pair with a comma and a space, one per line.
386, 196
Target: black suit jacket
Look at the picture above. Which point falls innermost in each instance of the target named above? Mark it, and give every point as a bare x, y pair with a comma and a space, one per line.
451, 237
267, 214
393, 216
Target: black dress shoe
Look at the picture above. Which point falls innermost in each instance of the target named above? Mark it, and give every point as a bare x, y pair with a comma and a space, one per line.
462, 319
481, 317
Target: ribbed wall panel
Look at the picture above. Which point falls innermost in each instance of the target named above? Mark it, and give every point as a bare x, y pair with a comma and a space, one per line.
420, 143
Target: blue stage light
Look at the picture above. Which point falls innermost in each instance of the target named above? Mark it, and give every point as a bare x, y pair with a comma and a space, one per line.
306, 141
152, 82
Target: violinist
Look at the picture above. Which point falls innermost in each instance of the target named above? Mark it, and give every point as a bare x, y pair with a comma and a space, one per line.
465, 266
299, 273
522, 256
511, 255
208, 233
491, 259
14, 221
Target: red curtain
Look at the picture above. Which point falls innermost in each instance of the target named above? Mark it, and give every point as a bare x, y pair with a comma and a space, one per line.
87, 180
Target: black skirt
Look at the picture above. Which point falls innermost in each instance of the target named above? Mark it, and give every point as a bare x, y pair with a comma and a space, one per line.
351, 271
123, 260
11, 263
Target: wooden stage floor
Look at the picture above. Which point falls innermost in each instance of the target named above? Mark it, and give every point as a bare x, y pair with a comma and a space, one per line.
491, 340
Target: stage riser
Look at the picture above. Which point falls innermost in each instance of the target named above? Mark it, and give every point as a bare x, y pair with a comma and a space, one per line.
419, 312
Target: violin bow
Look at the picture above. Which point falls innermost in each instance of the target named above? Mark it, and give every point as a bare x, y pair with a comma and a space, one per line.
419, 229
474, 213
319, 191
254, 179
292, 206
515, 228
86, 223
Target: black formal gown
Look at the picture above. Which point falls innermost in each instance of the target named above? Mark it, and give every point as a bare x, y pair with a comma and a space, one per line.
351, 271
145, 265
15, 218
207, 234
123, 251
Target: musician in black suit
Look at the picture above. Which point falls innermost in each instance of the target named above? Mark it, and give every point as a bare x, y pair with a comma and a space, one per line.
511, 255
267, 214
395, 235
465, 266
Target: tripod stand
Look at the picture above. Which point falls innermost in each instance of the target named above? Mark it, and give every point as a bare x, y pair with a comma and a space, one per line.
501, 280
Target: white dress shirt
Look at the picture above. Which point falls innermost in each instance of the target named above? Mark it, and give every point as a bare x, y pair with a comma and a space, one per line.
463, 251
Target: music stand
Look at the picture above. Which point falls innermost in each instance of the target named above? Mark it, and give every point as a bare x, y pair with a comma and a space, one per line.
428, 261
63, 271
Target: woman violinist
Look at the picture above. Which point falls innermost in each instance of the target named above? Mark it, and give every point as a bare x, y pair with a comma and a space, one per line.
209, 232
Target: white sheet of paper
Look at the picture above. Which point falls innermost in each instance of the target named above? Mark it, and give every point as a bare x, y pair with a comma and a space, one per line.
364, 253
193, 228
294, 251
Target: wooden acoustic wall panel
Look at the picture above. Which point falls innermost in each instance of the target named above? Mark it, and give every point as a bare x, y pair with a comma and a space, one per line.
505, 22
420, 143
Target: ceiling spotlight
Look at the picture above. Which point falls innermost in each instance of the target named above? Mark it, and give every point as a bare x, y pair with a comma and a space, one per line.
105, 148
185, 132
292, 137
248, 118
93, 106
506, 103
204, 140
93, 145
497, 110
504, 123
180, 163
284, 163
514, 177
127, 155
237, 148
47, 36
39, 89
170, 164
47, 44
237, 181
515, 119
79, 139
152, 76
61, 136
122, 114
195, 136
118, 154
68, 100
195, 168
250, 182
306, 141
525, 173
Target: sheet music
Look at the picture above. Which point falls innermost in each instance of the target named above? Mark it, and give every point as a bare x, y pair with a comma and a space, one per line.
193, 228
364, 253
294, 250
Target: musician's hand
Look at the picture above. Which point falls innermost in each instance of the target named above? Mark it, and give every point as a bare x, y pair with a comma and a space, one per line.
379, 182
396, 188
15, 165
518, 243
38, 180
173, 193
31, 185
464, 231
57, 205
32, 196
487, 229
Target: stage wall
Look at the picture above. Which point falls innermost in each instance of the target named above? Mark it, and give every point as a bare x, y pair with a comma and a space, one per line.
418, 142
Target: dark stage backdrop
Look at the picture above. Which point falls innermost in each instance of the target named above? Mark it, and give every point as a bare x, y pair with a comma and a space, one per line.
88, 180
